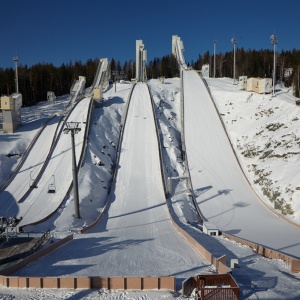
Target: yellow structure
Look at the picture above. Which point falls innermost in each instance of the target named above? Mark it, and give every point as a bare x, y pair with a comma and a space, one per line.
97, 96
11, 107
97, 93
252, 85
259, 85
7, 103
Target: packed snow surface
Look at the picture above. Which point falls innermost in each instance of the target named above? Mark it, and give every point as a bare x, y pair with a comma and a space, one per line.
31, 167
39, 203
258, 277
223, 193
135, 237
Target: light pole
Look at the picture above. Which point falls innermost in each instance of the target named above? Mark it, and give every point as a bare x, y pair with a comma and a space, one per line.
215, 42
74, 128
233, 42
16, 59
115, 74
274, 41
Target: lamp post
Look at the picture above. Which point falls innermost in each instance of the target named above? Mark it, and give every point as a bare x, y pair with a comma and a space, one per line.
233, 42
215, 42
16, 59
274, 41
74, 128
115, 74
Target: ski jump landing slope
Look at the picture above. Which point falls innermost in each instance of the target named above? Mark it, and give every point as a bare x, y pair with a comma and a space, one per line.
39, 204
224, 196
30, 169
135, 236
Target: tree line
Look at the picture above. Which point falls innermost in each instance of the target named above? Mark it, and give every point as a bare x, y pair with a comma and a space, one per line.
254, 63
36, 80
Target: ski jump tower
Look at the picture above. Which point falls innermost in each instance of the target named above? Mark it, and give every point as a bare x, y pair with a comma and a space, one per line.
177, 50
141, 58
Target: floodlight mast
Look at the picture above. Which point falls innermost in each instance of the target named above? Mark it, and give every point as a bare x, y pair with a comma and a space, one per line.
16, 59
74, 128
274, 41
233, 42
215, 42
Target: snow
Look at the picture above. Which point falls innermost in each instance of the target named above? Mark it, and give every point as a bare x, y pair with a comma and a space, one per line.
223, 193
135, 234
266, 137
38, 202
258, 278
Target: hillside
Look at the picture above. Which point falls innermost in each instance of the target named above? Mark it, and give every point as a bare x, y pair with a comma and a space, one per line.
265, 135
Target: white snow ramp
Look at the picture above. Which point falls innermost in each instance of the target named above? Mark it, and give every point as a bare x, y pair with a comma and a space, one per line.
135, 236
223, 194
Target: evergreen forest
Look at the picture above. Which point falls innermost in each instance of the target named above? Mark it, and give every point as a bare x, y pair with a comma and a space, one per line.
36, 80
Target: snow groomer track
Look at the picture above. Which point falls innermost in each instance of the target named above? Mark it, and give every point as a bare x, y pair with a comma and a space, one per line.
222, 192
135, 237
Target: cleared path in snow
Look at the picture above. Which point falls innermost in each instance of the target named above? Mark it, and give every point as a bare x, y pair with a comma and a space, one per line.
223, 194
135, 236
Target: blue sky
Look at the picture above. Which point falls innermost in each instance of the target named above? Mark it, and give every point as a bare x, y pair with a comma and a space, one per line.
59, 31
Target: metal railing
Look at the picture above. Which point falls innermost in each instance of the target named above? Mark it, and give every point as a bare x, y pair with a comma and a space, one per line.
212, 287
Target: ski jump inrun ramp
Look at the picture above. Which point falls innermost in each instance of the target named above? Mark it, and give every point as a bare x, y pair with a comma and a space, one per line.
222, 192
135, 236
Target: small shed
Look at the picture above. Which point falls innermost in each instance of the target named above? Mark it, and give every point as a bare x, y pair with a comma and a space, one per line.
205, 70
252, 84
11, 107
98, 96
243, 83
265, 85
210, 229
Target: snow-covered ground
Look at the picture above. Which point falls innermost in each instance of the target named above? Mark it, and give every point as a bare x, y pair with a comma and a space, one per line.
222, 192
259, 278
135, 236
32, 205
264, 131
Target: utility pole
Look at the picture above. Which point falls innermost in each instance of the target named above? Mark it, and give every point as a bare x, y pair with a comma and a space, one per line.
115, 74
74, 128
233, 42
215, 42
274, 41
16, 59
